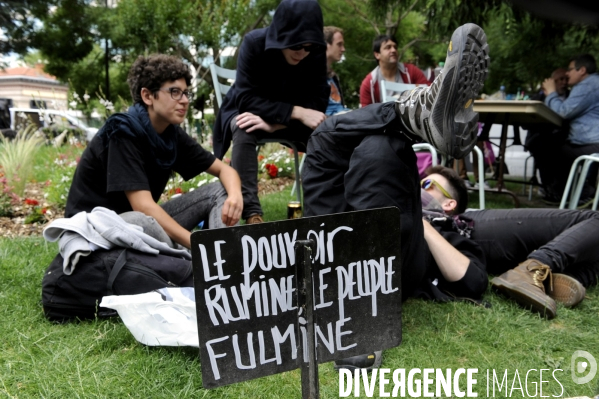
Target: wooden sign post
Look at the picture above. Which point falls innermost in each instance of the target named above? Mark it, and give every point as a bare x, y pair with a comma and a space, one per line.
247, 279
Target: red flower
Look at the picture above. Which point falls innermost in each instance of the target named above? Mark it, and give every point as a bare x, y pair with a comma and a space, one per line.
30, 201
260, 157
178, 190
44, 210
273, 171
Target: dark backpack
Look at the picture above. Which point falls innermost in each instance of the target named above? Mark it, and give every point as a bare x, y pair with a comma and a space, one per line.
108, 272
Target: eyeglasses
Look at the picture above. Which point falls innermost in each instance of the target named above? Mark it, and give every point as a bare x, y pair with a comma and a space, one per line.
428, 183
177, 94
299, 47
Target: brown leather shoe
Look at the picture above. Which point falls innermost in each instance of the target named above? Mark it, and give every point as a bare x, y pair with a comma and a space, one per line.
254, 219
525, 284
566, 290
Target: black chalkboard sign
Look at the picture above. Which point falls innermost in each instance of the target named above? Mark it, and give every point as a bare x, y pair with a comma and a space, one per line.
246, 293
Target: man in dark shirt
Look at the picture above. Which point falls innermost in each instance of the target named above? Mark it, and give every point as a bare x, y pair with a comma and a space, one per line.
280, 91
128, 163
541, 256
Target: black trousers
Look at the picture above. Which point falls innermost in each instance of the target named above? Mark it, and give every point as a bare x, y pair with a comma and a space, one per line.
360, 160
566, 240
245, 161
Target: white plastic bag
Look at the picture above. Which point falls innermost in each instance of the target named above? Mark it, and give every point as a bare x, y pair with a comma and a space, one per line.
165, 317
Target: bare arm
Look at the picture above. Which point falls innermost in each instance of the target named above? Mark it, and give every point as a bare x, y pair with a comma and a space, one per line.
142, 201
250, 122
452, 263
229, 178
307, 116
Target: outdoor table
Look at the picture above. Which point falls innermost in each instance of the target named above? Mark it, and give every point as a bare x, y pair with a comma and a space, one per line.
515, 113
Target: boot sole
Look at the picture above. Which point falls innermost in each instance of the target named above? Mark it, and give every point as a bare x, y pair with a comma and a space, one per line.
567, 290
378, 360
453, 114
538, 304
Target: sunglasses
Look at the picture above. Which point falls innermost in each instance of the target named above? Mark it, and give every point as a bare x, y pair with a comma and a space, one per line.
429, 183
299, 47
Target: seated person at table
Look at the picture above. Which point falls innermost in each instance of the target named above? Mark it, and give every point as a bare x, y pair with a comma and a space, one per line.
527, 248
130, 160
545, 142
280, 91
581, 111
335, 49
389, 68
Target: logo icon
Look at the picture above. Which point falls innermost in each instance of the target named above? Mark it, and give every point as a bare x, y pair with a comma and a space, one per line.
580, 366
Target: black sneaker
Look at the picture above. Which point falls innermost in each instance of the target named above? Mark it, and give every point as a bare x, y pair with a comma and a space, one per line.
584, 203
443, 114
366, 362
551, 200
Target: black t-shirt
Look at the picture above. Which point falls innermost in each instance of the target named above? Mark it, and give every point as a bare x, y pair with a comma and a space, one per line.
105, 172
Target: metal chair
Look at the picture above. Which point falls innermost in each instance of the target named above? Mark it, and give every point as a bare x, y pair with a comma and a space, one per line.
221, 89
394, 86
576, 179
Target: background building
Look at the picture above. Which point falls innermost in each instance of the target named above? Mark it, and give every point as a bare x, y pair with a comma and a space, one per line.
29, 87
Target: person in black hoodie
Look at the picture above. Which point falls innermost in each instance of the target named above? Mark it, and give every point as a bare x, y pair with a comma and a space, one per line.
280, 91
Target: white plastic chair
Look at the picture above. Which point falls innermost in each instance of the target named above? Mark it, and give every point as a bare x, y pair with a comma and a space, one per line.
394, 86
576, 179
221, 89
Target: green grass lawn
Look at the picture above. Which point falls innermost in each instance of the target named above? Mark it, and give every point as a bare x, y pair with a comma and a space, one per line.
100, 358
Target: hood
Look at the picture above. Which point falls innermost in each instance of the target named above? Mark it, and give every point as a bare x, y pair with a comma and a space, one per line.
295, 22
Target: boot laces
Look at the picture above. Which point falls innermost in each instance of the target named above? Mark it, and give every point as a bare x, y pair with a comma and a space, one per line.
541, 272
428, 93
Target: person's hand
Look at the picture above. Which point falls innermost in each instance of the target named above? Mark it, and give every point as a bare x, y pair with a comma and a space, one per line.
250, 122
308, 117
232, 209
548, 86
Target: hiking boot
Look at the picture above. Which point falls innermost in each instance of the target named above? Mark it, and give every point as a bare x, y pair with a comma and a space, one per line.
566, 290
443, 114
525, 284
366, 362
254, 219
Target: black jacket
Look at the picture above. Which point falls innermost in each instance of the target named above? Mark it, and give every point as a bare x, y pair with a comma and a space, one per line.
266, 85
471, 286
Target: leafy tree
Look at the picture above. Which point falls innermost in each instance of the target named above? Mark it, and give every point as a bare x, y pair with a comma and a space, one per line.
525, 50
361, 24
17, 21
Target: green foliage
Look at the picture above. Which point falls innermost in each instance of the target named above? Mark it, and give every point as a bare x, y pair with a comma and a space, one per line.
17, 157
18, 19
525, 50
361, 25
101, 359
7, 198
60, 180
67, 35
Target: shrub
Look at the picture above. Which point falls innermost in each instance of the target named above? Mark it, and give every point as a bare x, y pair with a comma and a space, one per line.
60, 180
277, 164
17, 157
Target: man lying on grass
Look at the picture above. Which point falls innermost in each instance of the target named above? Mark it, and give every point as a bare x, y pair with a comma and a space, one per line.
364, 159
541, 256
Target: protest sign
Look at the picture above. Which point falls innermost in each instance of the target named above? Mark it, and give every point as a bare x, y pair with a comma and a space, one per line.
246, 292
